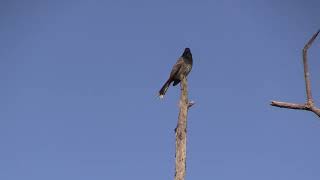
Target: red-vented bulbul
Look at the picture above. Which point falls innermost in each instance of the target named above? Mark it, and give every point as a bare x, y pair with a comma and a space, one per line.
182, 67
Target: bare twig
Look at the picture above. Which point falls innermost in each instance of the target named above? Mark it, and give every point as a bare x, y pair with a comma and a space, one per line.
191, 103
309, 105
289, 105
181, 132
306, 68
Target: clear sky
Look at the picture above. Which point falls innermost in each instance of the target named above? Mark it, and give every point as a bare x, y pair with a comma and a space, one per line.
79, 82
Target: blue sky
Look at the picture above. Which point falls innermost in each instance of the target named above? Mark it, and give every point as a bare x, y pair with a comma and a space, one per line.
79, 81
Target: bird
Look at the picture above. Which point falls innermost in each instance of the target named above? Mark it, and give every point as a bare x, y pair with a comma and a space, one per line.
181, 69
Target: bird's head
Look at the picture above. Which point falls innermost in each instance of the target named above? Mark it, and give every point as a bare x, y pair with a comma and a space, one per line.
186, 53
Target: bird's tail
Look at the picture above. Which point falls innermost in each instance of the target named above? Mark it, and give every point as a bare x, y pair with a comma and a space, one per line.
164, 88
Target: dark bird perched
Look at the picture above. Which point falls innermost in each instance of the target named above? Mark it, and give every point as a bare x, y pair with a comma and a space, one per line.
182, 68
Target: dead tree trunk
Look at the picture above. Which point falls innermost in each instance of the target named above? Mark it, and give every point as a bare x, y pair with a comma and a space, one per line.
309, 105
181, 132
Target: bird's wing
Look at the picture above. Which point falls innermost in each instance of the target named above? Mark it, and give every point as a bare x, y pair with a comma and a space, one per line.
176, 67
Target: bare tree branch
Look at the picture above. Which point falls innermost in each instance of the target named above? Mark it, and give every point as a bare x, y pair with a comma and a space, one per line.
306, 68
309, 105
289, 105
181, 132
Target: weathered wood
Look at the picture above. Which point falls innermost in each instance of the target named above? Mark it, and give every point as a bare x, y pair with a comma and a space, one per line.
181, 132
309, 105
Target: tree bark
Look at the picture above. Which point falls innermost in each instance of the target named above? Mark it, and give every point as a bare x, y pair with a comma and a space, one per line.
181, 132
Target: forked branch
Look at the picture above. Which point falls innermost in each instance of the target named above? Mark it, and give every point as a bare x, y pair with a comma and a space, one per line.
309, 105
